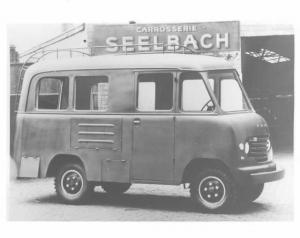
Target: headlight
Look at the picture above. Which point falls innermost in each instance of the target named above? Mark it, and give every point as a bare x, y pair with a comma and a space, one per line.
241, 146
247, 148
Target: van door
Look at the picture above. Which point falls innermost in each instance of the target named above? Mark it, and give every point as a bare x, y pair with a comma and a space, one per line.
153, 127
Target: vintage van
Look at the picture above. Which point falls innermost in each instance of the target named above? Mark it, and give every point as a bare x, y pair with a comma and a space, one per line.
168, 119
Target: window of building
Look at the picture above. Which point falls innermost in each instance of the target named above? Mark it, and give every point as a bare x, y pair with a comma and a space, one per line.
194, 94
155, 92
53, 93
92, 93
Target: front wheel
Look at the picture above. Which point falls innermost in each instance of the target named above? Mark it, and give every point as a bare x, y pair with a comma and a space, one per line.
71, 184
213, 190
251, 192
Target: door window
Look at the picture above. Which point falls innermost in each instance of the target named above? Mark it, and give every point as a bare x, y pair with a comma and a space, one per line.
155, 92
53, 93
92, 93
194, 94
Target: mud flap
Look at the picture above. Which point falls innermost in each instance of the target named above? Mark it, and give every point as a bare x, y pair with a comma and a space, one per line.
29, 167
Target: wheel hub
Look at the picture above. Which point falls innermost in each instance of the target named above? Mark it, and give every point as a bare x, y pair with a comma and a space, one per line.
72, 182
212, 190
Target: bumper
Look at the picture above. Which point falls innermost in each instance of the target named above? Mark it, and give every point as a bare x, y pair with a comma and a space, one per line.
260, 173
264, 177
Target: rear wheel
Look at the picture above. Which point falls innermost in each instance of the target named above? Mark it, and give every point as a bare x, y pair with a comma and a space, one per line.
213, 190
71, 184
115, 188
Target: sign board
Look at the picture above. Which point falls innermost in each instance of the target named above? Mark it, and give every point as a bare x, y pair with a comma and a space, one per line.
205, 37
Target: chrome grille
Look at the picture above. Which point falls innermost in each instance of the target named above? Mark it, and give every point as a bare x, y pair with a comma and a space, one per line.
258, 147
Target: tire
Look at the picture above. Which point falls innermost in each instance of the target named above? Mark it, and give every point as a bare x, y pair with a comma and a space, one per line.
251, 192
115, 188
71, 184
213, 190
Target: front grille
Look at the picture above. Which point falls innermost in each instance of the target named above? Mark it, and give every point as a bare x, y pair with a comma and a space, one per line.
258, 148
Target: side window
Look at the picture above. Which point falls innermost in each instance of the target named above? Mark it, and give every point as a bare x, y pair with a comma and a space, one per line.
155, 91
92, 93
53, 93
194, 95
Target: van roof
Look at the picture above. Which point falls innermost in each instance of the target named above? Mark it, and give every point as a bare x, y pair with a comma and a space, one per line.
133, 61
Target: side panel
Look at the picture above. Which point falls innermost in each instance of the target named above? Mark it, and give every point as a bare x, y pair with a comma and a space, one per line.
46, 135
99, 139
43, 136
201, 136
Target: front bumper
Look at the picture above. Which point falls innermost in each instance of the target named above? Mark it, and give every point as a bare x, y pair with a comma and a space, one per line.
264, 177
260, 173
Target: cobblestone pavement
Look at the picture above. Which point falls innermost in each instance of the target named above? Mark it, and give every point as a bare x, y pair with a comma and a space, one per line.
36, 200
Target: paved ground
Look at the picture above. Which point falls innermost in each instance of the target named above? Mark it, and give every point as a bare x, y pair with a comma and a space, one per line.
36, 200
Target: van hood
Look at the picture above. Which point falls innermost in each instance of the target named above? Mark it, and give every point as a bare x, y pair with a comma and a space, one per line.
247, 124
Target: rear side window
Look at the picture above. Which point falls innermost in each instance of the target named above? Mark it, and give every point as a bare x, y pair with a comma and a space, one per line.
155, 92
92, 93
53, 93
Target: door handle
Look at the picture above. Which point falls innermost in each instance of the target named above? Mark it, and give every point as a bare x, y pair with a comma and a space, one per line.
137, 121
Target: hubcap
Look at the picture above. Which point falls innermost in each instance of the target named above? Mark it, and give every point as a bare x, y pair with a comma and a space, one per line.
71, 182
212, 192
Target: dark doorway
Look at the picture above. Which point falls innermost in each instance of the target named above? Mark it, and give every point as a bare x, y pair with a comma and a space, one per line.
268, 76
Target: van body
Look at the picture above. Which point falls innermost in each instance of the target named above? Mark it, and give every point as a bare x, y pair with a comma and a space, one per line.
169, 119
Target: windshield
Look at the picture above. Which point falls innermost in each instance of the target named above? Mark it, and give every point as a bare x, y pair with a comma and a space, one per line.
227, 90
